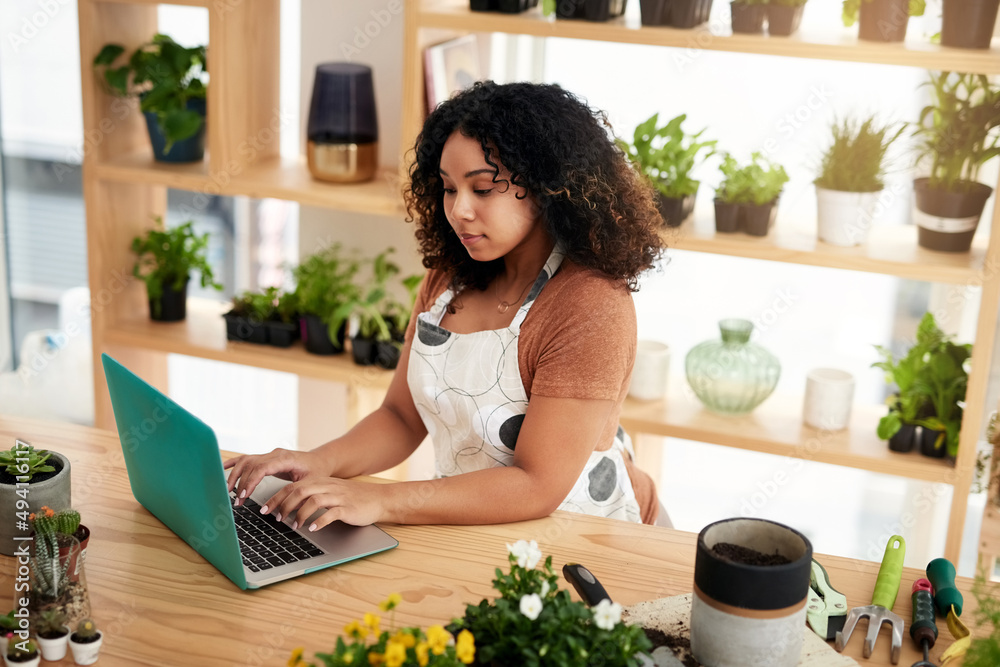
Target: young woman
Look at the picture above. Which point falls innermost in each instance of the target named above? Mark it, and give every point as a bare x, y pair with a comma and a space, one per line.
534, 229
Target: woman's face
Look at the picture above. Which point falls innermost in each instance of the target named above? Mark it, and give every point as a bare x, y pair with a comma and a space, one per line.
491, 219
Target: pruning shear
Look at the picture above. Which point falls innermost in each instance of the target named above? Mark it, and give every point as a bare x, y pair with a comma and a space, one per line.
826, 609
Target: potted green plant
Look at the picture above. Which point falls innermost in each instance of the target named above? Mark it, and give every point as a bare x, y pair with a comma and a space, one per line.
168, 79
324, 282
666, 156
85, 642
957, 133
850, 179
9, 624
398, 317
55, 558
246, 320
784, 17
968, 24
64, 522
931, 380
21, 653
591, 10
748, 196
535, 622
283, 327
675, 13
164, 261
984, 646
748, 16
53, 634
47, 474
881, 20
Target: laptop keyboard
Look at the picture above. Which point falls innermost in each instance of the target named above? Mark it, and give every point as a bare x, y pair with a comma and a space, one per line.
267, 543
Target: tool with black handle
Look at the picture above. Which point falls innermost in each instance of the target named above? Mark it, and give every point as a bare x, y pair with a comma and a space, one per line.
923, 628
586, 584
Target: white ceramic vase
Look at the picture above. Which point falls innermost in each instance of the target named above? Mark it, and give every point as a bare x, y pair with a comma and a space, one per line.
844, 218
86, 654
54, 649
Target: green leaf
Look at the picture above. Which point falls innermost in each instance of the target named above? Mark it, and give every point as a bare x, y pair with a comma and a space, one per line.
108, 53
180, 125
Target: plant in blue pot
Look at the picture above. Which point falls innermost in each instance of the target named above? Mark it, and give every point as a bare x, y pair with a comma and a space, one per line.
168, 79
732, 376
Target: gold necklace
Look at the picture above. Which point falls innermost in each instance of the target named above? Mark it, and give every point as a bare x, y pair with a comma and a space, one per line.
503, 306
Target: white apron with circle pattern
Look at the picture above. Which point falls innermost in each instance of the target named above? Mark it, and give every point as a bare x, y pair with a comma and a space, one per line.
468, 391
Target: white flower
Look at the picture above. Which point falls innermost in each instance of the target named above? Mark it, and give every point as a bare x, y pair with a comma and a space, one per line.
607, 614
526, 553
531, 606
545, 587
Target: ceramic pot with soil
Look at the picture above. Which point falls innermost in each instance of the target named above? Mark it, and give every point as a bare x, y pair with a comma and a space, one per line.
757, 219
947, 220
53, 647
688, 13
727, 217
281, 334
51, 489
883, 20
387, 353
751, 584
928, 440
171, 306
30, 660
654, 12
968, 24
783, 20
844, 218
905, 439
245, 329
675, 210
363, 350
316, 335
86, 649
748, 18
591, 10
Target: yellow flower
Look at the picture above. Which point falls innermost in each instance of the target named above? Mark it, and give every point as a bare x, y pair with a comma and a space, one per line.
395, 654
405, 639
375, 659
391, 602
465, 647
372, 620
296, 657
354, 629
422, 654
438, 639
347, 658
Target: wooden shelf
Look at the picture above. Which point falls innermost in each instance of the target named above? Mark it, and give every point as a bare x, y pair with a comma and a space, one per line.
203, 335
776, 427
841, 45
890, 250
283, 178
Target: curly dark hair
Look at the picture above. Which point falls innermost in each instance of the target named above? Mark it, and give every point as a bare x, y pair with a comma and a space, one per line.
593, 202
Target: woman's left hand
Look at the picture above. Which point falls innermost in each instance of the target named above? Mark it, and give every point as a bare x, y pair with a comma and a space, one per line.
356, 503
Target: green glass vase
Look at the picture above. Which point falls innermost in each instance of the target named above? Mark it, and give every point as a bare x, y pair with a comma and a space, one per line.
732, 376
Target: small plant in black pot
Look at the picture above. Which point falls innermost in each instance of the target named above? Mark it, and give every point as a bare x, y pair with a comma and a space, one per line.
168, 79
748, 196
748, 16
957, 132
881, 20
247, 319
931, 379
784, 17
324, 283
165, 260
666, 156
591, 10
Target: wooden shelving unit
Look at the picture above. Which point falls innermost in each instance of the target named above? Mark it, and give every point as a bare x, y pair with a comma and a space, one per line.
775, 426
124, 187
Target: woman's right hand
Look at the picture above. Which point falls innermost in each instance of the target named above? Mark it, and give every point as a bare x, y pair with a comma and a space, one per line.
248, 470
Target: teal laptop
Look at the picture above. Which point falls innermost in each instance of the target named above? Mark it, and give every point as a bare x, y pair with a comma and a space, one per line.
175, 470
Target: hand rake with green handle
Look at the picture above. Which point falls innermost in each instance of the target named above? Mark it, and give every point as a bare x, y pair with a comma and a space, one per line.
880, 610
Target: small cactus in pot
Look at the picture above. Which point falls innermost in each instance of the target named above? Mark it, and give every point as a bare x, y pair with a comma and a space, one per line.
86, 642
53, 633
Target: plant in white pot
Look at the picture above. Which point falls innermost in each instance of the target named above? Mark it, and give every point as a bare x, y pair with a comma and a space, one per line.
47, 475
850, 180
86, 642
958, 132
21, 653
53, 634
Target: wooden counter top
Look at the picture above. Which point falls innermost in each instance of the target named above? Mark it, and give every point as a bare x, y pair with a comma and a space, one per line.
160, 603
